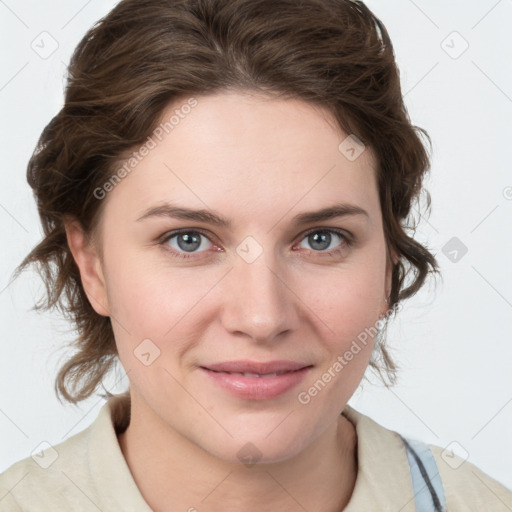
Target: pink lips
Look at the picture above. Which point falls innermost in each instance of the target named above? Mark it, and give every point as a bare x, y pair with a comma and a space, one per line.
253, 380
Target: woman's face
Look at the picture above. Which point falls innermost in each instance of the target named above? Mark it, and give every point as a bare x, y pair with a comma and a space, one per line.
272, 289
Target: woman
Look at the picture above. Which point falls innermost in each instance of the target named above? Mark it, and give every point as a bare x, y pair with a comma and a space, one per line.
224, 197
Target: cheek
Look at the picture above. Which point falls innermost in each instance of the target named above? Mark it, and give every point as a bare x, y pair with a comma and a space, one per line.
151, 301
350, 305
347, 300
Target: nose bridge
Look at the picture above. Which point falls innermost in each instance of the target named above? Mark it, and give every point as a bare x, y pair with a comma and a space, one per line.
259, 303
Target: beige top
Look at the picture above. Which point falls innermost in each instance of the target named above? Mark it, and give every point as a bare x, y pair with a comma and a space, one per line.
87, 472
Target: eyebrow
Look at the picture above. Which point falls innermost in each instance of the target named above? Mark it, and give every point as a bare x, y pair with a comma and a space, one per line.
210, 217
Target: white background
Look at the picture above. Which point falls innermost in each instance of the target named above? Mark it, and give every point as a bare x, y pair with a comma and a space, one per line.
453, 342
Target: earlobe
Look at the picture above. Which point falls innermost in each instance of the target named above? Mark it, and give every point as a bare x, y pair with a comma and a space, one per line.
88, 262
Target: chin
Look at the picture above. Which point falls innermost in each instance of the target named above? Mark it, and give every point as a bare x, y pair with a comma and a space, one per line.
260, 446
251, 453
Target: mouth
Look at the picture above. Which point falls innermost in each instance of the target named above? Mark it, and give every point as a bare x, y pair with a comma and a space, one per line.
252, 380
256, 368
255, 375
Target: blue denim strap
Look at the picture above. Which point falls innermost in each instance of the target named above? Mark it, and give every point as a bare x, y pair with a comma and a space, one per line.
426, 481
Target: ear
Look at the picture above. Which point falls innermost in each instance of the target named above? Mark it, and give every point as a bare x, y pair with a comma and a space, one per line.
88, 262
392, 260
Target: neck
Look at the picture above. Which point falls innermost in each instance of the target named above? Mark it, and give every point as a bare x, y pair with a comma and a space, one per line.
174, 474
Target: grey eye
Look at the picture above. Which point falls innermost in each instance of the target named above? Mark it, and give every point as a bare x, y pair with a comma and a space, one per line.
321, 240
188, 241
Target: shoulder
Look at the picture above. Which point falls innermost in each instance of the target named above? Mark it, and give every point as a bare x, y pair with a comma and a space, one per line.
46, 478
386, 481
86, 472
467, 487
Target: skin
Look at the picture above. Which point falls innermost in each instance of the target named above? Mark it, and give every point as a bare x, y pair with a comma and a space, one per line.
258, 161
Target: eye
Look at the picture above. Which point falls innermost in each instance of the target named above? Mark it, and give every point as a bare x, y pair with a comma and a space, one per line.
324, 240
186, 241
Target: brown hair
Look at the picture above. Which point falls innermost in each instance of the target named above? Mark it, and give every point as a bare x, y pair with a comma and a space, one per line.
147, 53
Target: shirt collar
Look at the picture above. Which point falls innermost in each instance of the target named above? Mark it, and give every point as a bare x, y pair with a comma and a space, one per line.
383, 477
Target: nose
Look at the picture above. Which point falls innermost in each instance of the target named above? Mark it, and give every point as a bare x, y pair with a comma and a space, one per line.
258, 302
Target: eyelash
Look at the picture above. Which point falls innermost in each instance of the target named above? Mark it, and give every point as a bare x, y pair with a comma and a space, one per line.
347, 242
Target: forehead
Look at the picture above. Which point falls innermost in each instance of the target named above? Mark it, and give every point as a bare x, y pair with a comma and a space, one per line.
246, 152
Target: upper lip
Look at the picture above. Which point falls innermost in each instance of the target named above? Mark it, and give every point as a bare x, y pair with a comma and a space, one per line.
256, 367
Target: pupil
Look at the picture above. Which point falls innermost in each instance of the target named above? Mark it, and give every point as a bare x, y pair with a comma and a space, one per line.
192, 242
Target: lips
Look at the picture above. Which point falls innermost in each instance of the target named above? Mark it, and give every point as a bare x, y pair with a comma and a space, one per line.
255, 369
255, 375
252, 380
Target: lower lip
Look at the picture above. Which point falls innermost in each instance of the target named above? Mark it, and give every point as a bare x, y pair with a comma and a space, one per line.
257, 388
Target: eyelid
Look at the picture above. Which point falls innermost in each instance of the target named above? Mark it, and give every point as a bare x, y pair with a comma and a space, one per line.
171, 234
339, 231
